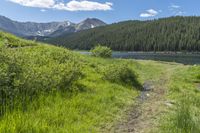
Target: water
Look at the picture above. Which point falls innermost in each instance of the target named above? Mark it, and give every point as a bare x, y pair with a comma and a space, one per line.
169, 57
184, 58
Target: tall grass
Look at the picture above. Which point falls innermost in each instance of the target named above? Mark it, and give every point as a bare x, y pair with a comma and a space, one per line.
185, 118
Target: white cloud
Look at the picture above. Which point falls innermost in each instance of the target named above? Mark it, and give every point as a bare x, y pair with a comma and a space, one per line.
176, 9
173, 6
180, 13
85, 5
73, 5
35, 3
149, 13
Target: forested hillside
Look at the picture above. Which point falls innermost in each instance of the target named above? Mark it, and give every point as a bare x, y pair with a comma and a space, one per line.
167, 34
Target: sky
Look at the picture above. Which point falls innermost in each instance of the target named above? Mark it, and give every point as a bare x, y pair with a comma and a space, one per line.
110, 11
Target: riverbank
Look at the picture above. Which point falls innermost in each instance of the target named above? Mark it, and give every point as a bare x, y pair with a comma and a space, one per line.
184, 58
102, 105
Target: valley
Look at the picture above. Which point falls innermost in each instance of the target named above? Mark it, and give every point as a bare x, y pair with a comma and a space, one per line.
99, 66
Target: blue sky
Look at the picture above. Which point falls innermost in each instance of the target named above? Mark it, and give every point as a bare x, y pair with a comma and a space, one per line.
107, 10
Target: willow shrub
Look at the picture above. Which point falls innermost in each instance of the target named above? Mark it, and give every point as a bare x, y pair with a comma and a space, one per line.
1, 43
121, 73
101, 51
198, 77
27, 73
13, 41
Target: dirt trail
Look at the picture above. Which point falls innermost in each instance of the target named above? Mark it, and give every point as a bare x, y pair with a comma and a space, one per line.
142, 117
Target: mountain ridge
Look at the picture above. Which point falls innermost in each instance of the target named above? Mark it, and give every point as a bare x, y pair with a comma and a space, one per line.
49, 29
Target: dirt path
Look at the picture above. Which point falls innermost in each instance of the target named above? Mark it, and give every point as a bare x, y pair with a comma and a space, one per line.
143, 116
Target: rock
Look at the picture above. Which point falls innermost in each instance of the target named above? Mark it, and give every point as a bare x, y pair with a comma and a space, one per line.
147, 86
148, 95
169, 103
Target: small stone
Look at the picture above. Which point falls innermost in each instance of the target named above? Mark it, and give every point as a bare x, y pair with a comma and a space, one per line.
147, 86
169, 103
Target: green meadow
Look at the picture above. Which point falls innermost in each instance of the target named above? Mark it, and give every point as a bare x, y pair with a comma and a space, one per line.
52, 89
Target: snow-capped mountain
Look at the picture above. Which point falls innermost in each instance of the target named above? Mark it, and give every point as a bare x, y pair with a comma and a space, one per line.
51, 29
89, 23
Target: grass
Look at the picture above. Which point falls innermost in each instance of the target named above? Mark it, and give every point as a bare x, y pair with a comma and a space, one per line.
184, 117
51, 89
84, 112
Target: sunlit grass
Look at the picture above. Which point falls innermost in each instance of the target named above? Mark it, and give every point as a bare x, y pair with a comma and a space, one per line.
57, 90
96, 106
184, 91
78, 93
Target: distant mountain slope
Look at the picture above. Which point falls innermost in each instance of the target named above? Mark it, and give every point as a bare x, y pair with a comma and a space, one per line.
89, 23
167, 34
51, 29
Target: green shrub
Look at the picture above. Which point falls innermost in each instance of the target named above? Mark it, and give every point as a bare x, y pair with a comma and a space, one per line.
1, 41
198, 77
1, 44
101, 51
121, 74
12, 41
27, 73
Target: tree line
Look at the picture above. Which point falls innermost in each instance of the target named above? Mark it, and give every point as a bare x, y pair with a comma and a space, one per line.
166, 34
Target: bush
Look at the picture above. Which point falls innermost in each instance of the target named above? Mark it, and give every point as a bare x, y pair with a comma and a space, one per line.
1, 44
27, 73
121, 74
198, 77
101, 51
11, 41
